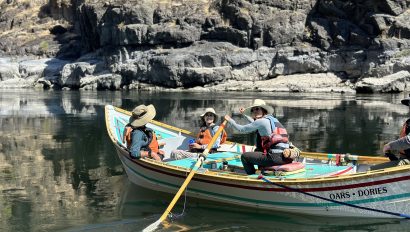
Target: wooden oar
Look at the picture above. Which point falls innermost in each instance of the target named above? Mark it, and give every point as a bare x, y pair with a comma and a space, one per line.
198, 163
360, 159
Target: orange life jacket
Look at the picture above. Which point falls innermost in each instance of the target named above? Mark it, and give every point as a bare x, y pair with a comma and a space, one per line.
152, 138
204, 136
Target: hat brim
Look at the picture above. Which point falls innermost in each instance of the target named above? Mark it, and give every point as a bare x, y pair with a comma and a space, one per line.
146, 118
269, 109
405, 101
203, 115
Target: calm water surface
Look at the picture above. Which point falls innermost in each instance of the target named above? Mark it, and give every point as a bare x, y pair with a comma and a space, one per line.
59, 171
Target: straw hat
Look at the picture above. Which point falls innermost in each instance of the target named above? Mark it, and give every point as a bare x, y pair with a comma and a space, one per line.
209, 110
259, 103
406, 101
141, 115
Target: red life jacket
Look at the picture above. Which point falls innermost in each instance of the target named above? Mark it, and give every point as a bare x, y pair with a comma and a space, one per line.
152, 138
204, 136
278, 135
405, 130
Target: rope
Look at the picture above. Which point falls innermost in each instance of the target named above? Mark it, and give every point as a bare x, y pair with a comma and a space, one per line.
171, 215
334, 201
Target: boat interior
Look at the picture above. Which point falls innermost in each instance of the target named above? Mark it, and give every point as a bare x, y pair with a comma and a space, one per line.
227, 159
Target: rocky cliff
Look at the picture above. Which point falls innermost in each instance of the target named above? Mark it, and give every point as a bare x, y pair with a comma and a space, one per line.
205, 45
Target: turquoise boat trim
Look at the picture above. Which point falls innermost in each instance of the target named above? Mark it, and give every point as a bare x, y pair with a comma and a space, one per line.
378, 199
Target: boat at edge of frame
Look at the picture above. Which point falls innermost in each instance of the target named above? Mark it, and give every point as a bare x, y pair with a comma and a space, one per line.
364, 193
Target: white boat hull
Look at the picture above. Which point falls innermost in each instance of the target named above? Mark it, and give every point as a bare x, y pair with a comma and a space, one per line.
378, 194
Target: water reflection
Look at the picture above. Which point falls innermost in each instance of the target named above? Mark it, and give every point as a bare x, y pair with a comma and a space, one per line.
58, 169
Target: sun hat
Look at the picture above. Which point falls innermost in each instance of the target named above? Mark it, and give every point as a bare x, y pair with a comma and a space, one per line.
141, 115
406, 101
259, 103
209, 110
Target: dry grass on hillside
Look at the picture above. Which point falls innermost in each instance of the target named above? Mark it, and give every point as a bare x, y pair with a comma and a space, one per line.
22, 24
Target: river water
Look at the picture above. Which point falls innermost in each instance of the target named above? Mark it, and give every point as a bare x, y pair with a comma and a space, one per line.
59, 170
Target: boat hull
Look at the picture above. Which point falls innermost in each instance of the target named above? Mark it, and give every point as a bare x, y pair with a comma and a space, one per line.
379, 194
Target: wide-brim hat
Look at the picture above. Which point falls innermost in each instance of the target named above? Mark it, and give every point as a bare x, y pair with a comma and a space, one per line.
209, 110
259, 103
406, 101
141, 115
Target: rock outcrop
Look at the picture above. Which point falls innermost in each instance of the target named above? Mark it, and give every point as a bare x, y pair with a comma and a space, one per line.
256, 45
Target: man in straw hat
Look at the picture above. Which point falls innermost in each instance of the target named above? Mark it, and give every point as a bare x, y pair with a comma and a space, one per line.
272, 146
207, 130
403, 143
142, 141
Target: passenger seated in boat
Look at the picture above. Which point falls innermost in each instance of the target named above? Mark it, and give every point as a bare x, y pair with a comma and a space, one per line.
403, 143
272, 143
142, 141
207, 130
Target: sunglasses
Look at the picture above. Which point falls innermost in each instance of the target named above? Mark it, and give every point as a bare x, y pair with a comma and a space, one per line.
209, 115
255, 109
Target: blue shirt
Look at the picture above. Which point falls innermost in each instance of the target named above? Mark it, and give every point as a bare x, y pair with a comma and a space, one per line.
139, 141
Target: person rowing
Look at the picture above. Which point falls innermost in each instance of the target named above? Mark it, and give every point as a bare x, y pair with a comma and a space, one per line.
402, 145
272, 143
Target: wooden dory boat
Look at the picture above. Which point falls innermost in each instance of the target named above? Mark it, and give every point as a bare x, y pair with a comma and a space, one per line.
325, 187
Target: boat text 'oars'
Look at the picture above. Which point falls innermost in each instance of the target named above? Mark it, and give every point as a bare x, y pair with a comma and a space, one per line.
198, 163
334, 201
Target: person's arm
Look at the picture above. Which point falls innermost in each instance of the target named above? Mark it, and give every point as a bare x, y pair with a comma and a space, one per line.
249, 118
398, 145
137, 142
251, 127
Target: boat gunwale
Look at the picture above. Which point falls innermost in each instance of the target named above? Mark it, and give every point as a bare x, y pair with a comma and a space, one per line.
244, 178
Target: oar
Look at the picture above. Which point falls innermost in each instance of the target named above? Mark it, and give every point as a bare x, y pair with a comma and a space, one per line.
198, 163
360, 159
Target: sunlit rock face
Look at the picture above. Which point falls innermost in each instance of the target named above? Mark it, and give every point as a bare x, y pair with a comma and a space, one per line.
156, 45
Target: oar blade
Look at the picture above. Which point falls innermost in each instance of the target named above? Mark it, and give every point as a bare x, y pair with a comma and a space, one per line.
152, 227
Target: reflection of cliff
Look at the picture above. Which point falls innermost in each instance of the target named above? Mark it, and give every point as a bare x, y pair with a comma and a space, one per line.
45, 182
332, 123
340, 126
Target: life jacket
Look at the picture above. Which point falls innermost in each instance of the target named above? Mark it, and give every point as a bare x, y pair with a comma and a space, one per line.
278, 139
152, 138
205, 135
405, 130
